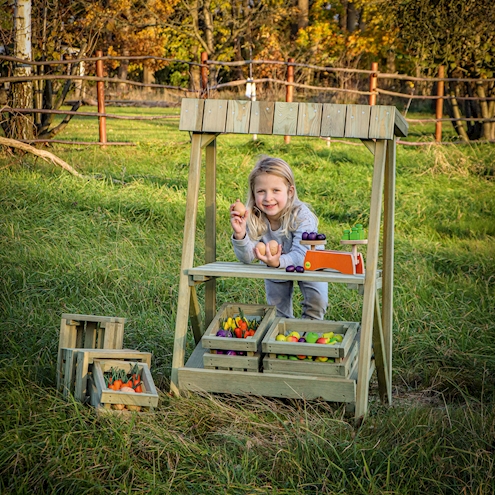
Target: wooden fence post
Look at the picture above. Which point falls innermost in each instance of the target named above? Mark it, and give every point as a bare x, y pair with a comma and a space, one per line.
439, 104
373, 83
100, 95
289, 90
204, 75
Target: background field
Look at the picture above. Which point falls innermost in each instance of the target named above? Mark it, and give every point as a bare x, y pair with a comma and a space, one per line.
110, 244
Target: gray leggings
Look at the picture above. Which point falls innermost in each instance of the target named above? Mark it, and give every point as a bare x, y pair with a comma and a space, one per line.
315, 298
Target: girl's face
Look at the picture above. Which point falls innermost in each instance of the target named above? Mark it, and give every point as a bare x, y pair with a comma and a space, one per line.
271, 194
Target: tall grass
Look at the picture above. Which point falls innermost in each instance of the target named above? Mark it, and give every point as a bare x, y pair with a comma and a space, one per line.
111, 245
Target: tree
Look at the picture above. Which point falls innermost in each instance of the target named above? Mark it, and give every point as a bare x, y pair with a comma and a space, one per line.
20, 127
460, 35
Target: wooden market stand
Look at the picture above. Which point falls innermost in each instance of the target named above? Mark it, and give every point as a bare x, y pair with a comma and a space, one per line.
377, 127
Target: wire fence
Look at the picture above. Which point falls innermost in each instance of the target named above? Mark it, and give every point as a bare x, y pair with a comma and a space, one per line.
321, 83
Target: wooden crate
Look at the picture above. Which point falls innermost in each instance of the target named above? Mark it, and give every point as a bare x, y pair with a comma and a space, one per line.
103, 398
340, 350
75, 365
342, 367
89, 332
264, 313
246, 363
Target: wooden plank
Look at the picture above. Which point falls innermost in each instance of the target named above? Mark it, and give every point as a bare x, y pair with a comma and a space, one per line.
309, 119
256, 270
357, 121
215, 116
191, 114
370, 280
195, 315
379, 351
188, 243
285, 118
382, 122
401, 127
223, 361
80, 318
333, 120
332, 389
210, 228
238, 114
388, 257
261, 120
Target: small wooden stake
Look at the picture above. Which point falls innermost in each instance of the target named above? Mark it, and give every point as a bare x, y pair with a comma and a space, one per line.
100, 94
289, 90
439, 105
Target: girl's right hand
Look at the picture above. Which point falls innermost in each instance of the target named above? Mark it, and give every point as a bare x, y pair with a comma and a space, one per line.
238, 223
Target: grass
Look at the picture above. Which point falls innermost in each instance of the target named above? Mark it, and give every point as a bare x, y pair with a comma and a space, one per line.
111, 245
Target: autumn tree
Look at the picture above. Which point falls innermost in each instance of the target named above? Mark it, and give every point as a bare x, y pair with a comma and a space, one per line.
460, 35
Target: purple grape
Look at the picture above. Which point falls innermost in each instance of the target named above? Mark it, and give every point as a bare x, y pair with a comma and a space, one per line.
231, 353
299, 269
312, 236
222, 333
305, 236
302, 339
320, 237
220, 351
290, 268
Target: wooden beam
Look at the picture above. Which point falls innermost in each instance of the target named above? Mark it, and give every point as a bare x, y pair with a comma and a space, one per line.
379, 352
370, 281
181, 321
210, 228
388, 256
195, 315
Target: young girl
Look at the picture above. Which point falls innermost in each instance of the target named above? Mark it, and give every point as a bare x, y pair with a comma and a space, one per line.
273, 211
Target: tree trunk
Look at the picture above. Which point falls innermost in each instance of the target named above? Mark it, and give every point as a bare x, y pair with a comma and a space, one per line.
456, 114
487, 127
303, 17
21, 127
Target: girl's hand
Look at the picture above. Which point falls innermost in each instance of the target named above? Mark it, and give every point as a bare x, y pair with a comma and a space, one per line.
268, 258
238, 223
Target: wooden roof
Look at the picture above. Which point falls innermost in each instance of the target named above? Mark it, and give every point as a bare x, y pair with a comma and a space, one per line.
292, 119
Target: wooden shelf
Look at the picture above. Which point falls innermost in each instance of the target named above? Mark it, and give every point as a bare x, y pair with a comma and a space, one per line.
241, 270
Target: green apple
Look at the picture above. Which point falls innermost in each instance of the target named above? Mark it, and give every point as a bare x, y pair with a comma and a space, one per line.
311, 337
293, 358
282, 356
339, 337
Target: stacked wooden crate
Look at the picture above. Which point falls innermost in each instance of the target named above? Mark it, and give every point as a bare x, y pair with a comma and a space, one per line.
88, 344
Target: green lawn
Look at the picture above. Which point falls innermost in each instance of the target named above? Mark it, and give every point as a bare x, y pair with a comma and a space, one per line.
110, 244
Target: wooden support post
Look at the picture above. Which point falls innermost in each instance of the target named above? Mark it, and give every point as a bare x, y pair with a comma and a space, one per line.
380, 352
388, 257
373, 83
181, 321
100, 94
289, 90
204, 75
439, 104
362, 389
210, 229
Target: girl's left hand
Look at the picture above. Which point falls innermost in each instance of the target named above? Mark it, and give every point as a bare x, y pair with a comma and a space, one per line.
270, 259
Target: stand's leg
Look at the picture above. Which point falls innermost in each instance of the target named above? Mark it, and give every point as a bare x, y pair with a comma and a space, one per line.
380, 354
370, 282
181, 321
388, 258
210, 230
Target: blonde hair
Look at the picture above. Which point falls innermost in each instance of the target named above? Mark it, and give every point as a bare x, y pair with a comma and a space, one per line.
256, 221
